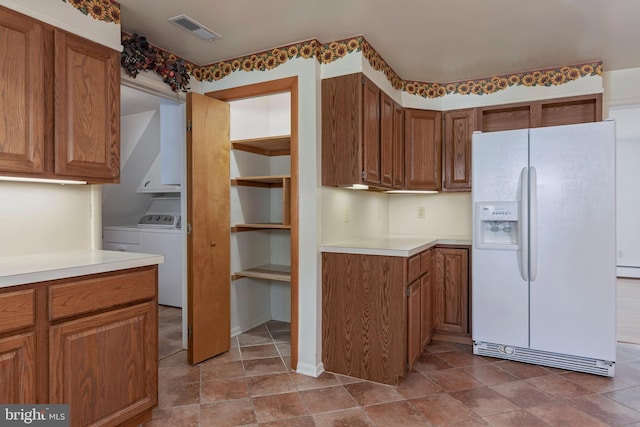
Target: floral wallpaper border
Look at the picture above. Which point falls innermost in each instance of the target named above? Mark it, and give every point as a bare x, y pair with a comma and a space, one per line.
101, 10
330, 52
166, 63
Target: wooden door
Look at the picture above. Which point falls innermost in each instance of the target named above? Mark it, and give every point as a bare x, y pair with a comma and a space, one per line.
452, 290
398, 146
386, 140
105, 366
208, 240
87, 111
370, 132
423, 149
22, 98
458, 128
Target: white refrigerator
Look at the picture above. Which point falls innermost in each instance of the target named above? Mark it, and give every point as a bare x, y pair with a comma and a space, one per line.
544, 255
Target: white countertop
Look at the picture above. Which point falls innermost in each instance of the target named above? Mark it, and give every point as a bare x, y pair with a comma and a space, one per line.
20, 270
393, 244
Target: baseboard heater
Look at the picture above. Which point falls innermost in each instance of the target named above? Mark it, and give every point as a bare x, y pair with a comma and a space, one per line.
556, 360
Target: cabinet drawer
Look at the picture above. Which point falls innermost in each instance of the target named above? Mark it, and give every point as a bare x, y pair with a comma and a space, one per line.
17, 310
414, 268
84, 296
426, 261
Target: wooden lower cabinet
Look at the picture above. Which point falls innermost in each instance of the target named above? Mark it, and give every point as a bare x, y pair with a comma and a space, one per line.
377, 313
452, 290
426, 298
414, 322
89, 341
18, 368
105, 366
363, 316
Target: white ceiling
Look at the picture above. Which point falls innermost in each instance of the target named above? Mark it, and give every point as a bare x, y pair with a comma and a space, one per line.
425, 40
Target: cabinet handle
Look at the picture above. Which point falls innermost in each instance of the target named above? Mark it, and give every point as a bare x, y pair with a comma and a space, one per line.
213, 244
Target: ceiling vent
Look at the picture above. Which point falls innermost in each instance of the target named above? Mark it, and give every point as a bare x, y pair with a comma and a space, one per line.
194, 28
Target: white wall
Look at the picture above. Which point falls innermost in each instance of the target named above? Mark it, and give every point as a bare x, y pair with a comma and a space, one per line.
310, 292
349, 214
39, 218
446, 214
622, 93
139, 146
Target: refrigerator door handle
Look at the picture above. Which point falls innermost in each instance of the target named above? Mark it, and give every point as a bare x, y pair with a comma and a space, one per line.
533, 221
524, 224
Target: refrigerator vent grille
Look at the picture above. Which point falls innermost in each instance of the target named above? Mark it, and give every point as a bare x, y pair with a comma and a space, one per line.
545, 358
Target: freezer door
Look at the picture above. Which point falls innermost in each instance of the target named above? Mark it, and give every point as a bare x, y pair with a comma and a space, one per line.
572, 297
499, 296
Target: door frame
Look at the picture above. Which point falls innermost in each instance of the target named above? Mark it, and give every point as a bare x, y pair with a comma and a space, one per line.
288, 84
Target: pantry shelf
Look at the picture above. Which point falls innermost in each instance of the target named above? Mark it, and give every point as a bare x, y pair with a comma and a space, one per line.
267, 146
277, 272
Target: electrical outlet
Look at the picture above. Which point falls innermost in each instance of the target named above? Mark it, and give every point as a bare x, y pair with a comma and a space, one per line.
421, 212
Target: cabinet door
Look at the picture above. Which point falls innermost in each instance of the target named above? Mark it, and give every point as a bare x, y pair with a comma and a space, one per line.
22, 79
342, 130
105, 366
414, 343
426, 298
87, 113
387, 142
18, 369
370, 132
426, 310
423, 149
452, 290
458, 127
398, 146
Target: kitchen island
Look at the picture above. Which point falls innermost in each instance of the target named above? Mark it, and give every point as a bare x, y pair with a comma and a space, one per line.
384, 297
80, 328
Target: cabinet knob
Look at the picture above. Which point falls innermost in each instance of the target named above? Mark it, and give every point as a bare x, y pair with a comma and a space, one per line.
213, 244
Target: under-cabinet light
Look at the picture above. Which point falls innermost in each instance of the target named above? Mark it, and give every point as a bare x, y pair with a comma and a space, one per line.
411, 192
357, 187
41, 180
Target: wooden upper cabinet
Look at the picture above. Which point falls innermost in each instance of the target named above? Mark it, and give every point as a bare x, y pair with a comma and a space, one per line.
22, 79
398, 146
387, 142
87, 113
458, 128
60, 102
358, 133
423, 149
342, 130
549, 112
370, 132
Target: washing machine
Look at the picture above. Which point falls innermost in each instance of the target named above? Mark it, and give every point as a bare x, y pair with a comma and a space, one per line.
157, 232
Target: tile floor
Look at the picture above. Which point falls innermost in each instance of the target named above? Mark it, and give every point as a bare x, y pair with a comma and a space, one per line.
251, 385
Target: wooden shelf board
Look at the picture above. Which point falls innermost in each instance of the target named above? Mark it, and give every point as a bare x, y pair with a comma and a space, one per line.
277, 272
268, 146
260, 226
260, 181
